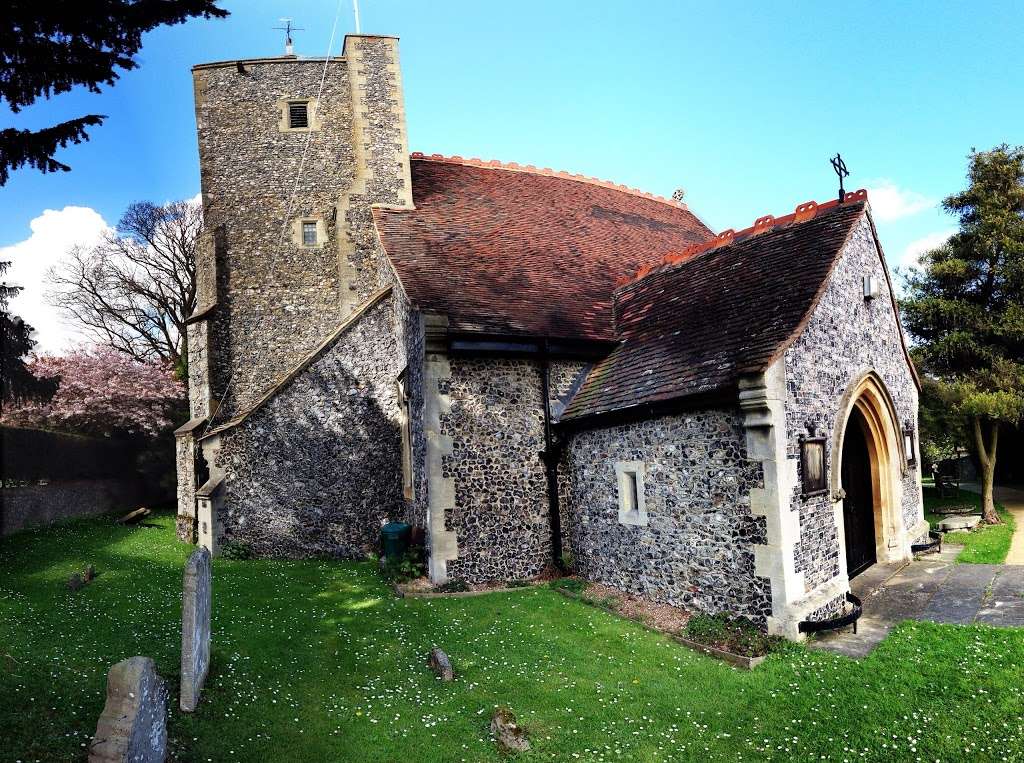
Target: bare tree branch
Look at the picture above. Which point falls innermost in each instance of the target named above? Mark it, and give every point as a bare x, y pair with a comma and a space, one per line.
134, 290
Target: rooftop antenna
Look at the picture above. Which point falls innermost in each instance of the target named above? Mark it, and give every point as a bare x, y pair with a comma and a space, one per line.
355, 10
840, 167
289, 49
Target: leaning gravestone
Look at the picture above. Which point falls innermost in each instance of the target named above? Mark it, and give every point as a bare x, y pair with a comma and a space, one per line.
195, 628
134, 516
441, 665
133, 725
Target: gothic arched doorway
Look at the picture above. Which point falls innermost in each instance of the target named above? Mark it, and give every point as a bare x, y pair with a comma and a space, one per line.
859, 502
868, 469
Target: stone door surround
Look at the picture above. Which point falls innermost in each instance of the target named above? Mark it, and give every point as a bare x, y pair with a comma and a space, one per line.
869, 396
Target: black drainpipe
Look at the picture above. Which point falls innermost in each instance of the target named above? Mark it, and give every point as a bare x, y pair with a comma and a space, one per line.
551, 455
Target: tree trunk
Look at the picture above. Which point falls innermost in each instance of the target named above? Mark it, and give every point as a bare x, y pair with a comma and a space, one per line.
987, 456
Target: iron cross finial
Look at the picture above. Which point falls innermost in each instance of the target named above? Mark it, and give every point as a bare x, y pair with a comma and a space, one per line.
840, 167
288, 29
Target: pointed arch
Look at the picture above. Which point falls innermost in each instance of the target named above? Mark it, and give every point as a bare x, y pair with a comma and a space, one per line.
870, 397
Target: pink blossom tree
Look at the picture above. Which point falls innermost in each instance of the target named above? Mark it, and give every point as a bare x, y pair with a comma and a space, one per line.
102, 392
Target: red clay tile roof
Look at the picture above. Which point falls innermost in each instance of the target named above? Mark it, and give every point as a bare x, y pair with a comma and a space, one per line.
504, 249
694, 327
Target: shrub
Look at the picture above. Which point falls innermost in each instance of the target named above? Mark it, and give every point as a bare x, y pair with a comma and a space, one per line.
236, 550
409, 566
732, 634
455, 585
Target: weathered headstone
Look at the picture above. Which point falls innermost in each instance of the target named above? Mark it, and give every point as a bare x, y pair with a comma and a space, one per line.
441, 665
507, 733
133, 725
963, 522
195, 627
134, 516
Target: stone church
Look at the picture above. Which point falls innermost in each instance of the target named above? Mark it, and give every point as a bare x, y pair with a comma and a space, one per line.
526, 364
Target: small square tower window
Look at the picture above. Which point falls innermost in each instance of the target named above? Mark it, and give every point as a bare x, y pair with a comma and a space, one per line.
309, 233
298, 114
632, 499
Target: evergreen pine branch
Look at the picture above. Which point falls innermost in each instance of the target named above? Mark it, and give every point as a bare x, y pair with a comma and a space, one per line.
36, 148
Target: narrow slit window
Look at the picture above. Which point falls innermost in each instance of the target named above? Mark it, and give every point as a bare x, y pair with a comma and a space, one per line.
908, 446
309, 233
632, 500
298, 114
633, 494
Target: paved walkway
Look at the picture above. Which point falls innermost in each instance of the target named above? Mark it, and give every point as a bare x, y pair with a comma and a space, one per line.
933, 588
1013, 500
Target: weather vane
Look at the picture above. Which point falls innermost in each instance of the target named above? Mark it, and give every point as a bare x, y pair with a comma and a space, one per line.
288, 29
840, 167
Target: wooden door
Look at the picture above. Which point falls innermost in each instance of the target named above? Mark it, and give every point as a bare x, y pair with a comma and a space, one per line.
859, 504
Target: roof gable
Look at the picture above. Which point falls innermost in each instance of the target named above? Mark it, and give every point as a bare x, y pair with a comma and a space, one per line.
695, 327
509, 250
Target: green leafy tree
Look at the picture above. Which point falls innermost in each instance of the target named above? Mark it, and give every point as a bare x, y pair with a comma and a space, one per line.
965, 305
942, 429
49, 47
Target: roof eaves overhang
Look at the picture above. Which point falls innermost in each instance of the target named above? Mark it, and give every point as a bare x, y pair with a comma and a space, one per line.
727, 395
494, 344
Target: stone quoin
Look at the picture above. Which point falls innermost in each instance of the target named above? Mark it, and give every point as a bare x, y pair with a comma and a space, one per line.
527, 364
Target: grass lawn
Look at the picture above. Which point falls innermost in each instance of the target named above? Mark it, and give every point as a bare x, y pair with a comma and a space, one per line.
987, 545
317, 661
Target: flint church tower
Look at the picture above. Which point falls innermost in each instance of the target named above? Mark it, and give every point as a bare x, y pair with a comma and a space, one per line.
293, 153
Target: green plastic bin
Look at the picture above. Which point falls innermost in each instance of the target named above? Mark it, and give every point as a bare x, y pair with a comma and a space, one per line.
395, 537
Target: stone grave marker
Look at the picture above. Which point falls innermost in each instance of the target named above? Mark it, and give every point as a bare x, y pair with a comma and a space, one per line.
510, 736
961, 522
133, 517
133, 725
195, 627
441, 665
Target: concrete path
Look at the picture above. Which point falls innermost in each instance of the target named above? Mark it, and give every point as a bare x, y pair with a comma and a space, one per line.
933, 588
1013, 500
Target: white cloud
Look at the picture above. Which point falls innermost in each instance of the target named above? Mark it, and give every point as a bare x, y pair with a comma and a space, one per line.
912, 254
890, 202
54, 232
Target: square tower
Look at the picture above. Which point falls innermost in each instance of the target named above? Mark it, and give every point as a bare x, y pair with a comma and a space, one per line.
293, 153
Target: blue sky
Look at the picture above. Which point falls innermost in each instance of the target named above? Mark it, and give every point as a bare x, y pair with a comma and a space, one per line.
738, 103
